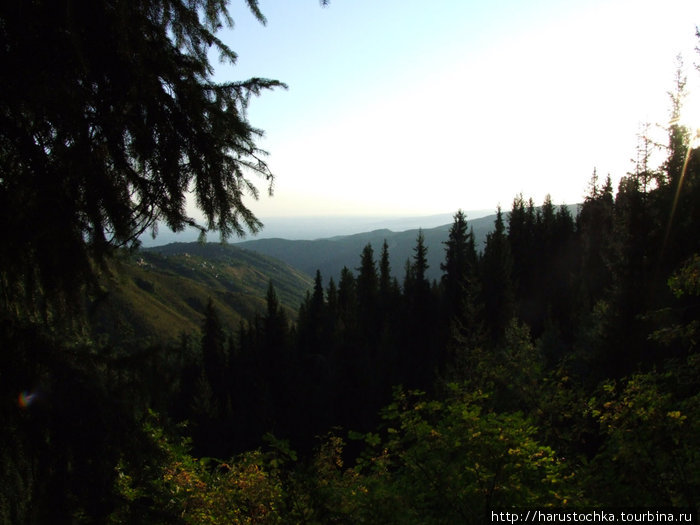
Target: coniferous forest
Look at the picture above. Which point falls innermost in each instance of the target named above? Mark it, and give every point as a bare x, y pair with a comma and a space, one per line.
556, 365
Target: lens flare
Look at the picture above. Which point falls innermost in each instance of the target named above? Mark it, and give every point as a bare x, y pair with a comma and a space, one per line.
25, 399
694, 143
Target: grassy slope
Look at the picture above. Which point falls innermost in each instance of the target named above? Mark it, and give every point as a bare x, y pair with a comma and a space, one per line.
161, 293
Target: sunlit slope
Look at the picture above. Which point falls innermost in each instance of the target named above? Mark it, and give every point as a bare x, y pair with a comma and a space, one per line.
160, 293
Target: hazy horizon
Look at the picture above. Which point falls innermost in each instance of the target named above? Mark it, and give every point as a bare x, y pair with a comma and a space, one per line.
317, 227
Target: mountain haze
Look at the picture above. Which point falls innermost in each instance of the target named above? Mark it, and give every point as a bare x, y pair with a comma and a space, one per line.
312, 227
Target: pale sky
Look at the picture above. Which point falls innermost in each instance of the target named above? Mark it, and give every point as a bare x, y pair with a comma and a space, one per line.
401, 107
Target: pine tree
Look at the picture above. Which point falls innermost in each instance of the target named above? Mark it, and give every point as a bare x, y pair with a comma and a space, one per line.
418, 346
332, 300
594, 227
214, 358
545, 229
367, 285
520, 237
420, 264
678, 134
460, 289
384, 271
280, 367
347, 299
108, 116
459, 266
497, 288
389, 289
317, 299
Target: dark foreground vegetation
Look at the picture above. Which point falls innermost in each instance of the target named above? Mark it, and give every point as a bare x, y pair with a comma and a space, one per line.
557, 367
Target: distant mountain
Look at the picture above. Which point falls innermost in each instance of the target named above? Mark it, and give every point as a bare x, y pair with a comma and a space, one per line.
311, 228
330, 255
161, 292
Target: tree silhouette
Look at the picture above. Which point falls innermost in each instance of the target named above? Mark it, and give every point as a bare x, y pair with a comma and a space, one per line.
497, 290
459, 266
108, 117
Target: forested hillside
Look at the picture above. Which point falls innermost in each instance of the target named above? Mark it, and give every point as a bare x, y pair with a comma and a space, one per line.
556, 367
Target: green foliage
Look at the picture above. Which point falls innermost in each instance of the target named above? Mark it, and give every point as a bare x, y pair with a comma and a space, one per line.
450, 461
182, 489
686, 282
650, 455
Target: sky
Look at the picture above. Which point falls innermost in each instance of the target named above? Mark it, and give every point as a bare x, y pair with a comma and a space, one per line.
400, 107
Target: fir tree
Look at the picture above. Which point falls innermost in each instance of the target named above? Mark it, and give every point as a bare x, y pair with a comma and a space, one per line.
594, 227
459, 266
332, 299
384, 271
108, 117
214, 359
420, 263
418, 359
497, 290
521, 239
367, 283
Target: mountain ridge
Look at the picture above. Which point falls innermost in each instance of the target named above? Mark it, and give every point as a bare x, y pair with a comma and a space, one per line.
330, 255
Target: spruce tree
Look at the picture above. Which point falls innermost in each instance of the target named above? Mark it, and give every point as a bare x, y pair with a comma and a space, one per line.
108, 116
520, 237
347, 299
332, 300
420, 263
458, 267
497, 288
594, 228
461, 313
384, 271
418, 348
367, 282
214, 358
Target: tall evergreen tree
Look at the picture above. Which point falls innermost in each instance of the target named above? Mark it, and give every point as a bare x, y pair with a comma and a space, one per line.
384, 271
418, 359
678, 134
367, 286
108, 116
458, 267
545, 229
347, 299
214, 358
594, 227
521, 239
497, 288
420, 261
278, 363
460, 292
